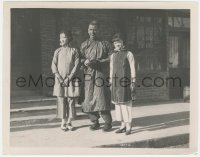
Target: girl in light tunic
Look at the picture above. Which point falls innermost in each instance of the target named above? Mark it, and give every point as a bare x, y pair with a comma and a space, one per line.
122, 74
64, 66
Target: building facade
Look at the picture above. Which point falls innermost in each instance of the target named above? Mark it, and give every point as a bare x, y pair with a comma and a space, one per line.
159, 40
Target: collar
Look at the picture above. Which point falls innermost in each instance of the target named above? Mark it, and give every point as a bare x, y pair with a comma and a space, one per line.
123, 49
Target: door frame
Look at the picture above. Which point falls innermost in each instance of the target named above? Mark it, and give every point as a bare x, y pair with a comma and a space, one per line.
180, 70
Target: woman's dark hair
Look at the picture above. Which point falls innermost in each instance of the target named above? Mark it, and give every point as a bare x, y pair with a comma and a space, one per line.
68, 34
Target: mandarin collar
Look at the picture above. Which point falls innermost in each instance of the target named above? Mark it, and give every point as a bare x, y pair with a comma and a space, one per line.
123, 49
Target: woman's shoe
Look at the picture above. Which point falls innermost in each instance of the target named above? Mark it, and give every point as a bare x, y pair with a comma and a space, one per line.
120, 130
70, 127
63, 127
128, 132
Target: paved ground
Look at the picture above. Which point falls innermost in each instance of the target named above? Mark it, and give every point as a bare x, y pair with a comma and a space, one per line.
158, 122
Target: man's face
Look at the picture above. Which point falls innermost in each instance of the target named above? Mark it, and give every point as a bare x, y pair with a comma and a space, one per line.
63, 39
92, 31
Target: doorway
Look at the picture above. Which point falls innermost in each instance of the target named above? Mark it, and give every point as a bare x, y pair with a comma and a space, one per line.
179, 63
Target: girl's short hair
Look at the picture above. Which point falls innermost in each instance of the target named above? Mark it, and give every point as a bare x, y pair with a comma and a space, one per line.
118, 37
67, 33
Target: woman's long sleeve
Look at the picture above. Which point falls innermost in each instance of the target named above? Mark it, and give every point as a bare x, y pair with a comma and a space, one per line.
54, 64
111, 68
131, 60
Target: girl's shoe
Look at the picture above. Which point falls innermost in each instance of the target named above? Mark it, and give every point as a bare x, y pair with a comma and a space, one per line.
70, 127
63, 127
120, 130
128, 132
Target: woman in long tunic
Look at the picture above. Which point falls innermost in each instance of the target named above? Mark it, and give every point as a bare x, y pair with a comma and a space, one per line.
95, 57
64, 66
122, 67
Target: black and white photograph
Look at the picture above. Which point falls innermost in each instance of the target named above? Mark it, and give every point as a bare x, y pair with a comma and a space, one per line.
101, 77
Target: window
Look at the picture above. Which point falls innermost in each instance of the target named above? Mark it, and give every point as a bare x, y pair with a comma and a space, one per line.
145, 37
179, 22
149, 31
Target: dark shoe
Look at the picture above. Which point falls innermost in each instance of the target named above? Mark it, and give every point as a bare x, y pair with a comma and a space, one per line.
95, 126
107, 127
120, 130
128, 132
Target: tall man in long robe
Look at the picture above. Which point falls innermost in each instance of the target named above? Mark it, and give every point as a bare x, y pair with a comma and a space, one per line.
95, 58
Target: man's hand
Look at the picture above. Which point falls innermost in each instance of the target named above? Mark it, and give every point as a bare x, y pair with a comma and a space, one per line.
60, 79
95, 64
87, 62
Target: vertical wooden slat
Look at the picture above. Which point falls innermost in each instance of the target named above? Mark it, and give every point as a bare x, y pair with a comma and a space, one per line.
173, 52
170, 51
176, 53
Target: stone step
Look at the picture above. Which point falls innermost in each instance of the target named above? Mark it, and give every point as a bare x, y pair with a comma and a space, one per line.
31, 120
36, 111
25, 123
37, 108
37, 102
